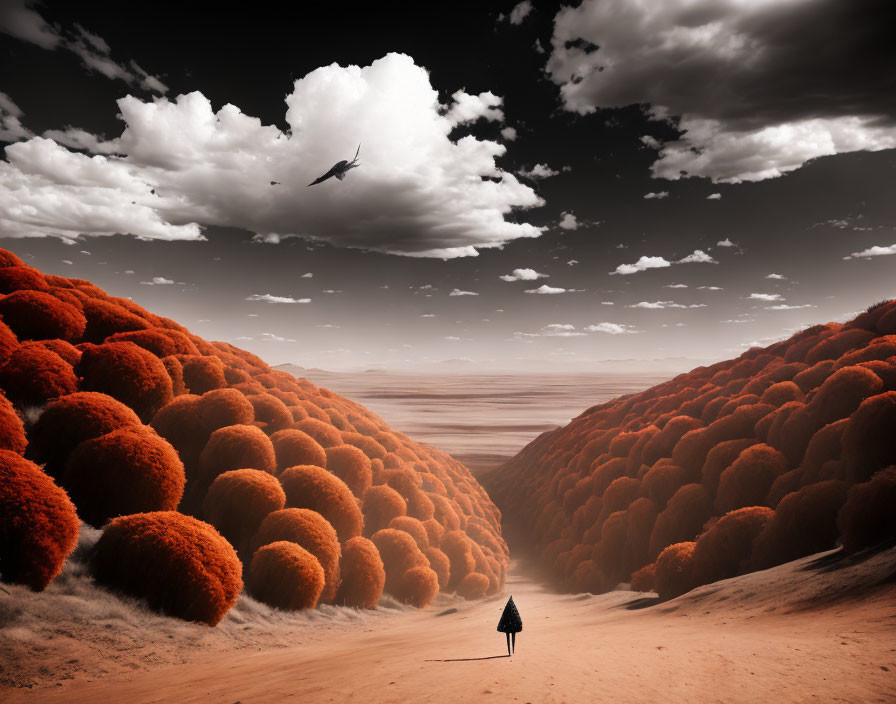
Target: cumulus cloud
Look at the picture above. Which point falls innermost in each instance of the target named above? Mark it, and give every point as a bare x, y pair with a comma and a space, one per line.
765, 297
675, 286
568, 222
77, 138
509, 133
658, 305
264, 337
158, 281
184, 166
714, 196
25, 23
775, 276
784, 306
710, 288
612, 329
656, 196
726, 243
538, 172
698, 256
307, 275
754, 96
470, 108
268, 298
11, 127
545, 290
523, 275
643, 264
519, 12
875, 251
561, 330
458, 292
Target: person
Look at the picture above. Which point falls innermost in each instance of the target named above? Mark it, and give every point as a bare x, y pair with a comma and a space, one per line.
510, 624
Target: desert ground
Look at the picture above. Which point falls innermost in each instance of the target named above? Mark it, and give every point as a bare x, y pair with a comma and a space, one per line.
818, 629
482, 419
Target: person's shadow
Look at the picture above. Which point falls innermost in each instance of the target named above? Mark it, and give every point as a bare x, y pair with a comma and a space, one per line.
490, 657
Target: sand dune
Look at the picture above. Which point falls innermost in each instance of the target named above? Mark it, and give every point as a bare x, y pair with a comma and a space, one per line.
818, 629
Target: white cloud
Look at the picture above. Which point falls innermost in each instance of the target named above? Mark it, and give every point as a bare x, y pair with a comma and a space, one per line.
263, 337
11, 127
612, 329
458, 292
651, 142
698, 256
268, 298
158, 281
775, 276
470, 108
726, 243
784, 306
523, 275
307, 275
538, 172
657, 305
876, 251
729, 70
67, 261
452, 338
520, 11
765, 297
572, 262
20, 21
568, 222
607, 303
643, 264
509, 133
656, 196
416, 193
428, 315
546, 290
561, 330
675, 286
710, 288
714, 196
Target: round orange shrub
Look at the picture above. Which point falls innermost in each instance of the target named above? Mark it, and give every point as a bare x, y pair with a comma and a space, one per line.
12, 430
237, 447
674, 570
176, 371
179, 423
588, 577
644, 579
286, 576
70, 420
363, 574
271, 411
418, 586
34, 315
8, 340
105, 318
434, 531
128, 373
838, 344
825, 445
782, 392
842, 392
293, 447
782, 486
313, 532
805, 522
38, 523
662, 481
7, 258
237, 502
725, 549
162, 343
440, 564
443, 512
473, 586
640, 518
421, 507
352, 466
719, 458
867, 518
324, 433
180, 565
219, 408
32, 375
307, 486
456, 546
202, 374
748, 480
399, 553
688, 509
381, 504
130, 470
13, 278
367, 445
869, 443
412, 527
662, 444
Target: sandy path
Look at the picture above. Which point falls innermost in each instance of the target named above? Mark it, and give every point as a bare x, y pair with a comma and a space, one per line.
728, 642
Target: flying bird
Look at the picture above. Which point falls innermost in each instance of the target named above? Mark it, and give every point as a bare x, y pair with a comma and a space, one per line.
340, 169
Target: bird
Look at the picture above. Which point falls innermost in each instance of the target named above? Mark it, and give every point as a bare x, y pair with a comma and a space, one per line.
340, 169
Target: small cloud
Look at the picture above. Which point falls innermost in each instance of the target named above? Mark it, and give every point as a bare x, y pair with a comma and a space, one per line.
658, 305
129, 271
309, 275
158, 281
765, 297
651, 142
710, 288
458, 292
714, 196
452, 338
875, 251
736, 321
784, 306
656, 196
545, 290
643, 264
66, 261
561, 330
268, 298
520, 12
776, 276
568, 222
698, 256
509, 133
538, 172
607, 303
523, 275
572, 262
675, 286
426, 287
264, 337
538, 46
612, 329
428, 315
725, 243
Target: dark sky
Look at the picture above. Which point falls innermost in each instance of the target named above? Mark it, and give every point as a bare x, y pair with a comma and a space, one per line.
762, 132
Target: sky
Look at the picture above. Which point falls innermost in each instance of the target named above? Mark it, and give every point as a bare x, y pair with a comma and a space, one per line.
541, 186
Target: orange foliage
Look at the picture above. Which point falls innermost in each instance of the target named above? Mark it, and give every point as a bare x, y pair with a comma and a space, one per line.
32, 375
399, 553
867, 518
381, 505
237, 447
674, 570
34, 315
237, 502
352, 466
724, 550
293, 447
286, 576
363, 574
307, 486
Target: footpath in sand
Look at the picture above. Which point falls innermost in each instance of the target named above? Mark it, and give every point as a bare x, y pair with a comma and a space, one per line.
819, 629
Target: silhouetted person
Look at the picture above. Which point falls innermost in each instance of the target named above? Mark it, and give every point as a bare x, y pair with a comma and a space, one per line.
510, 624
